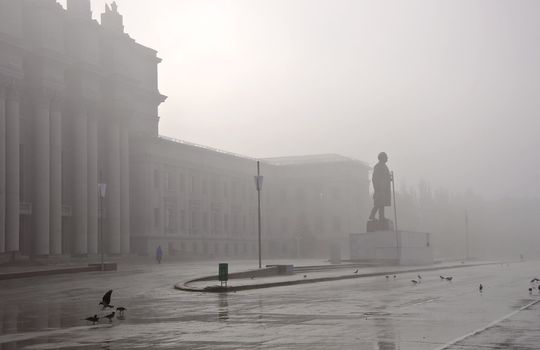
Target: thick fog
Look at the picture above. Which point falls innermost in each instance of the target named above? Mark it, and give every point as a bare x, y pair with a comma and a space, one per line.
449, 89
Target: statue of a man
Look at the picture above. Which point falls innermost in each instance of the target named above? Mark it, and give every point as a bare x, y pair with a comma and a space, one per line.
381, 184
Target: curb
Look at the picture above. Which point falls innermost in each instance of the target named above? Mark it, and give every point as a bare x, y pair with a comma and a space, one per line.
57, 271
184, 286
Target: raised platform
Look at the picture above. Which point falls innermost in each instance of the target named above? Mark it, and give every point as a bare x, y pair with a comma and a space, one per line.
401, 247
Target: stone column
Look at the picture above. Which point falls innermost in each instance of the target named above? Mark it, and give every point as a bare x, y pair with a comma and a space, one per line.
41, 174
92, 186
55, 239
80, 177
124, 176
12, 169
2, 168
112, 152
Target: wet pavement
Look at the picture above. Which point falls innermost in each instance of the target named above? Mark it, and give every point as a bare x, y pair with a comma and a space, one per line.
363, 313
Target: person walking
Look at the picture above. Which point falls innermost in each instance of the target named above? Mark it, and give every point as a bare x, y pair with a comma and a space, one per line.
159, 254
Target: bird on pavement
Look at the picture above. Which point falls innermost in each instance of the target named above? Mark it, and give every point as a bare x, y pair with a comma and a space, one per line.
530, 290
394, 276
106, 301
110, 316
305, 276
449, 279
121, 310
387, 277
415, 282
481, 288
92, 319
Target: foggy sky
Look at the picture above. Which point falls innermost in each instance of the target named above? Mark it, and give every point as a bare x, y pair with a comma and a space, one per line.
449, 89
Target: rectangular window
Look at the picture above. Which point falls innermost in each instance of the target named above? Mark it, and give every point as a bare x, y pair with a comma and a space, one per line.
183, 220
156, 217
156, 178
182, 182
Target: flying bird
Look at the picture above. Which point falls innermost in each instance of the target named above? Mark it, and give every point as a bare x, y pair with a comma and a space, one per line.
481, 288
356, 271
415, 282
106, 301
449, 279
110, 316
441, 277
92, 319
121, 310
535, 280
419, 277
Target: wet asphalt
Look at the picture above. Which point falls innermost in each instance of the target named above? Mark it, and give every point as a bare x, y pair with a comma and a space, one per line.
363, 313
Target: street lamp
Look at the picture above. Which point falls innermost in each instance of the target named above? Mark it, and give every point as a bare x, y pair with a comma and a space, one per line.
258, 186
102, 190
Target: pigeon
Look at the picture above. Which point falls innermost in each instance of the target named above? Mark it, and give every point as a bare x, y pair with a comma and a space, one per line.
394, 276
530, 290
419, 277
305, 276
92, 319
415, 282
449, 279
387, 277
356, 271
121, 310
481, 288
441, 277
110, 316
106, 302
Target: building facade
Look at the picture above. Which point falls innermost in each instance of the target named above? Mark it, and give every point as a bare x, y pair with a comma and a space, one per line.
79, 106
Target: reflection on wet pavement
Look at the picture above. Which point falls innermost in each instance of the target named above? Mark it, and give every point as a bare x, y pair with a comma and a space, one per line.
368, 313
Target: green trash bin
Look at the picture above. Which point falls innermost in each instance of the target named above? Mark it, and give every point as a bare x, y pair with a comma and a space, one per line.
223, 273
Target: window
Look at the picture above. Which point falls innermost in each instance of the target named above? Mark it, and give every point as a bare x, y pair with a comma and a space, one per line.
182, 220
156, 217
182, 182
156, 178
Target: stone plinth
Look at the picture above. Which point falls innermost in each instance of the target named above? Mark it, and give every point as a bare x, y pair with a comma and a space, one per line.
379, 225
401, 247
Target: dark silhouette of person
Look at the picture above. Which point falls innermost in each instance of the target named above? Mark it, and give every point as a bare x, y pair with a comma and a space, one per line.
382, 190
159, 254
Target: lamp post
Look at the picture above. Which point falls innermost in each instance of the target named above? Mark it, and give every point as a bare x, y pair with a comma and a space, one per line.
467, 256
258, 186
102, 190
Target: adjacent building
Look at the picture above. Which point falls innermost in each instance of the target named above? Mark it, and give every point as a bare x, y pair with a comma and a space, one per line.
79, 106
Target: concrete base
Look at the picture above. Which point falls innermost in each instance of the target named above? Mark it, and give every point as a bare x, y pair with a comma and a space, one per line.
401, 247
379, 225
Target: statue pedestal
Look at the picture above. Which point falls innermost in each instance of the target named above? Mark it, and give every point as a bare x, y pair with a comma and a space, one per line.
390, 247
379, 225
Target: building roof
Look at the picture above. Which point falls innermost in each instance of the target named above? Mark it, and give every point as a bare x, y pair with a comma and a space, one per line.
311, 159
203, 147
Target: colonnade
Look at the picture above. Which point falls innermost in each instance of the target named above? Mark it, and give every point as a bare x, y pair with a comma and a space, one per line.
9, 166
47, 168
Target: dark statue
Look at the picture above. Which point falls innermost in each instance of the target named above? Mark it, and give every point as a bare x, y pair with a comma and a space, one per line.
382, 196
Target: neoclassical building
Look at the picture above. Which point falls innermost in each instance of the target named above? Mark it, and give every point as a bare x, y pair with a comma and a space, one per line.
79, 106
